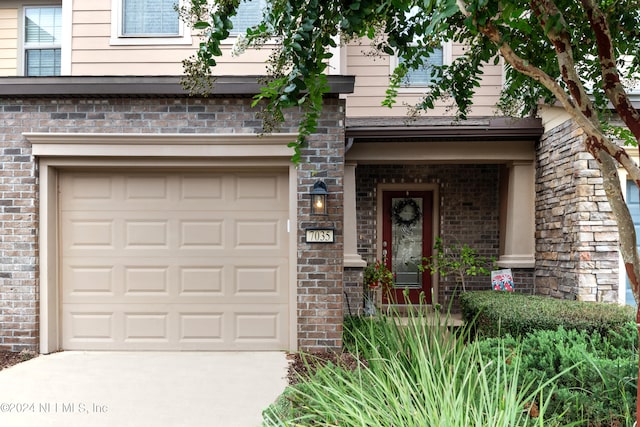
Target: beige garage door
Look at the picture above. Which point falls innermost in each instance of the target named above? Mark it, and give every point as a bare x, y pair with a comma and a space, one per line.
174, 261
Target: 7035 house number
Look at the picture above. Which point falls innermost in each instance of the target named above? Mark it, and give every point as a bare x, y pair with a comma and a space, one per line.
320, 235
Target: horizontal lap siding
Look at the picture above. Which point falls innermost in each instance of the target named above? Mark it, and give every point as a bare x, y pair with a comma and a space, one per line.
373, 71
8, 42
93, 53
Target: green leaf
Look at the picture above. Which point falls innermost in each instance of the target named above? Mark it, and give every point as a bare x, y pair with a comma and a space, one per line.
200, 25
389, 50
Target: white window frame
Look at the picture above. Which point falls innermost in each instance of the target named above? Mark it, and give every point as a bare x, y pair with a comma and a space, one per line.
234, 32
447, 58
23, 42
118, 38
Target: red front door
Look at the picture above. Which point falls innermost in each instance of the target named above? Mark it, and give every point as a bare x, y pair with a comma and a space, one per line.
407, 237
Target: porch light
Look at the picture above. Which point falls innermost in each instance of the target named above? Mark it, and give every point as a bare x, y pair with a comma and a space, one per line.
319, 198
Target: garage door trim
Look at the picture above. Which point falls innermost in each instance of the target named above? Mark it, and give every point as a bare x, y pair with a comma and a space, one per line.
50, 165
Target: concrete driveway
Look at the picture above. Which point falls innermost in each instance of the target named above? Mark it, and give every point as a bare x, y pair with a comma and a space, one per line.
140, 389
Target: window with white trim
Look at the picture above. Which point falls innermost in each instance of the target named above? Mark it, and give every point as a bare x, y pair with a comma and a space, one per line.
249, 14
42, 35
150, 18
147, 22
421, 77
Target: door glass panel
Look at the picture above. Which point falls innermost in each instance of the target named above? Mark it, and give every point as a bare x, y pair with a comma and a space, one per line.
406, 246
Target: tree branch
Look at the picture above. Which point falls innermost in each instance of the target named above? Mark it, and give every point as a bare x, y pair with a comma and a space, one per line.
545, 10
589, 124
561, 40
610, 77
601, 147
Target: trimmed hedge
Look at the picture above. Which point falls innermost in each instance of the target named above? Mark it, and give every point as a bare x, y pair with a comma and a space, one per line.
598, 387
498, 313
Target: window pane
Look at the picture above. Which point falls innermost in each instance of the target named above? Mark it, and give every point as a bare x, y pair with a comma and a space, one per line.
249, 14
422, 76
43, 25
150, 17
43, 62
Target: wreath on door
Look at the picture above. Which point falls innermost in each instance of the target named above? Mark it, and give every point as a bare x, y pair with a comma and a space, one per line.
406, 212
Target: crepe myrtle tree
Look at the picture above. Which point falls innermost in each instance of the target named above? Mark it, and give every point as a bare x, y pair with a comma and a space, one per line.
581, 54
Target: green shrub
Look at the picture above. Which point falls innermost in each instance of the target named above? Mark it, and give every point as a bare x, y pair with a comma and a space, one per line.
416, 375
600, 390
500, 313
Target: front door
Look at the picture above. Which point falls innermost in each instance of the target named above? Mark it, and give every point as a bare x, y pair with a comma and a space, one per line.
407, 238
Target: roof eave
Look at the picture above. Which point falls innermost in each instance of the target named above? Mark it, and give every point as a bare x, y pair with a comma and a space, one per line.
503, 129
113, 86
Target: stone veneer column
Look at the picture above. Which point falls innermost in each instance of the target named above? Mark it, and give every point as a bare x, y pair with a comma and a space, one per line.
576, 235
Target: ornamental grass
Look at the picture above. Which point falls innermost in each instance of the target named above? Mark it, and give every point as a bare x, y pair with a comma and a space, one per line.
415, 375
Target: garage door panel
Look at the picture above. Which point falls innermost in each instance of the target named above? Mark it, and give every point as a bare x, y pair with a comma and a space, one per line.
199, 234
200, 280
216, 280
86, 233
135, 231
184, 327
219, 192
146, 281
258, 233
146, 188
174, 261
95, 326
202, 189
91, 279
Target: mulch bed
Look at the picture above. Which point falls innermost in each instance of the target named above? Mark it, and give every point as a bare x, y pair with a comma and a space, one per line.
10, 358
302, 366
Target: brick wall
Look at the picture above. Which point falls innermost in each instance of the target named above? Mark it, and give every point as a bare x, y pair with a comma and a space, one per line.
469, 208
576, 235
320, 270
320, 265
18, 234
353, 291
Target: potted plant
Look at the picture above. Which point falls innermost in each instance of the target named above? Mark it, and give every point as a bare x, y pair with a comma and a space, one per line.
376, 276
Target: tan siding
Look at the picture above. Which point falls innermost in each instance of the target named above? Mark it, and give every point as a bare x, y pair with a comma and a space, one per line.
89, 30
92, 16
93, 53
372, 80
8, 42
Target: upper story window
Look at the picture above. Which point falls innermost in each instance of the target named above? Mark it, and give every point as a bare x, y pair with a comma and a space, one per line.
421, 77
249, 14
150, 18
147, 22
42, 35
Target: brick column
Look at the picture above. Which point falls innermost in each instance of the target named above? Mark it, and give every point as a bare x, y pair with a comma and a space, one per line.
320, 265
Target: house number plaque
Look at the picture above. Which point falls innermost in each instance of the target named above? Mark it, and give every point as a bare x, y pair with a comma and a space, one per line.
320, 235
